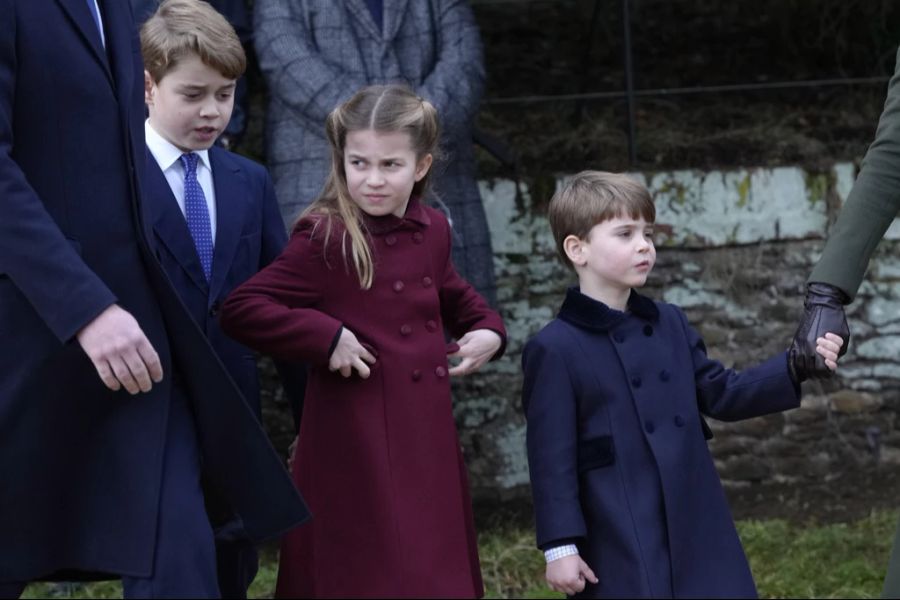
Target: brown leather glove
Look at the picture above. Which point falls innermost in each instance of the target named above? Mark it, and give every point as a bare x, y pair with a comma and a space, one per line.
824, 313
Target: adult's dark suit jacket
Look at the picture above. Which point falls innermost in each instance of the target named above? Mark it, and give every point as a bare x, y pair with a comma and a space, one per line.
80, 465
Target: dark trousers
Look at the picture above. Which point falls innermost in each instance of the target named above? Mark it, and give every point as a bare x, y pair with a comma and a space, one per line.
238, 562
184, 565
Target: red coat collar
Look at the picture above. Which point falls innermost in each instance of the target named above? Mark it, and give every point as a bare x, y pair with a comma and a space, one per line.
416, 217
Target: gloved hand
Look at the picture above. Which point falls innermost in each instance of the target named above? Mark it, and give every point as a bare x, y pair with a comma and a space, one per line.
824, 313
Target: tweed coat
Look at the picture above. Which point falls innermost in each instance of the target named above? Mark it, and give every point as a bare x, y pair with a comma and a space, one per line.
378, 459
315, 54
616, 449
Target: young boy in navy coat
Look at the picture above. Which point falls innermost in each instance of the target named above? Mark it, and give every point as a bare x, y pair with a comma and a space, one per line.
213, 213
626, 496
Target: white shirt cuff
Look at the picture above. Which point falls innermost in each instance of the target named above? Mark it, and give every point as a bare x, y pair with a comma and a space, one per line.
560, 551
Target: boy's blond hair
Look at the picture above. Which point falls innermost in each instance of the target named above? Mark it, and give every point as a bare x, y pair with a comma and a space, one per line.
592, 197
179, 28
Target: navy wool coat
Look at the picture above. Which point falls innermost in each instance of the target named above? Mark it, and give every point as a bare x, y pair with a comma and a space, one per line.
616, 447
80, 465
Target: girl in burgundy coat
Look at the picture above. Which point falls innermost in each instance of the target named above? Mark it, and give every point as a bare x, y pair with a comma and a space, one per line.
364, 292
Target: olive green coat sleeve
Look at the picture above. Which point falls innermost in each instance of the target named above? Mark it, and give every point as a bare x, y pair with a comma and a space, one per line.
871, 206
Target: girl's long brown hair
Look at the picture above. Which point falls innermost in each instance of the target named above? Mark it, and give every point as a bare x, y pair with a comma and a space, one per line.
384, 109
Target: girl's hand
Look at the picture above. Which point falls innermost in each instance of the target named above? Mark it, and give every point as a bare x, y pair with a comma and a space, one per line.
475, 348
828, 348
568, 574
349, 354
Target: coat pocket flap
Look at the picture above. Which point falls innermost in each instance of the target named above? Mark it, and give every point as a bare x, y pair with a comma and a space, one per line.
595, 452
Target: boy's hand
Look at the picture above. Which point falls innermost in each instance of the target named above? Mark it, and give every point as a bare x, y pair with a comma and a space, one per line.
829, 348
349, 354
823, 312
475, 348
121, 353
567, 574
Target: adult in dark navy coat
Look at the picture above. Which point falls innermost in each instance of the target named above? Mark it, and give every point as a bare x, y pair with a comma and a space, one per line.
82, 465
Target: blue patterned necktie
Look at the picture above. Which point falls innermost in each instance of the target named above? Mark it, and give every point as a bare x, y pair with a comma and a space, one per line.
197, 213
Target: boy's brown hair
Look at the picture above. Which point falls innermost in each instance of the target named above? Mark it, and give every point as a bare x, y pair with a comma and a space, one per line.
181, 27
592, 197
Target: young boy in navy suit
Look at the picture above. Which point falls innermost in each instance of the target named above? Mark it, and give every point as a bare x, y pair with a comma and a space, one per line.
626, 496
213, 213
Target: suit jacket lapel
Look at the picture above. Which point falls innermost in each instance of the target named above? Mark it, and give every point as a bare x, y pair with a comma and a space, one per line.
170, 225
79, 13
231, 206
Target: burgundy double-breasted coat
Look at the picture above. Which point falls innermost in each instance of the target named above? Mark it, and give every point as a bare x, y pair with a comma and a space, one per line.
378, 459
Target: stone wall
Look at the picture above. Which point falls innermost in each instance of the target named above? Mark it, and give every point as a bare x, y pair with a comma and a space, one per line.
734, 250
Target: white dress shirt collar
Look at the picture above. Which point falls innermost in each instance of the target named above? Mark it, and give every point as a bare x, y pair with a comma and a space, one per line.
165, 152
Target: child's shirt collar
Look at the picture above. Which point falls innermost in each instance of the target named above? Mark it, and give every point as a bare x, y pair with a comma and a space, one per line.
165, 152
587, 313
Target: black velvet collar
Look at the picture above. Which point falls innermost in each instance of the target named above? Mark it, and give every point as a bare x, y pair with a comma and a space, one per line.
415, 217
587, 313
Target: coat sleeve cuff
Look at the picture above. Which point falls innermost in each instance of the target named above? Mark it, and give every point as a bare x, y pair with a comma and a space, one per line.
334, 341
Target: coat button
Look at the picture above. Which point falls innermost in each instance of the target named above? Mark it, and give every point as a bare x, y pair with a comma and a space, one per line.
418, 237
405, 329
398, 286
664, 375
431, 325
416, 375
648, 330
679, 421
390, 240
427, 281
214, 309
618, 337
648, 426
636, 381
440, 372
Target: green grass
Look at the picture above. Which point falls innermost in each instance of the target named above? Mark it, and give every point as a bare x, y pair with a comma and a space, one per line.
843, 560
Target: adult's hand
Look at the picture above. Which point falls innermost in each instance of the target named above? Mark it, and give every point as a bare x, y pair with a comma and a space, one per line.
121, 353
568, 574
824, 313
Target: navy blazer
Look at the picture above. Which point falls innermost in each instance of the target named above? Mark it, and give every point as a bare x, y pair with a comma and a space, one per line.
616, 450
249, 235
80, 464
